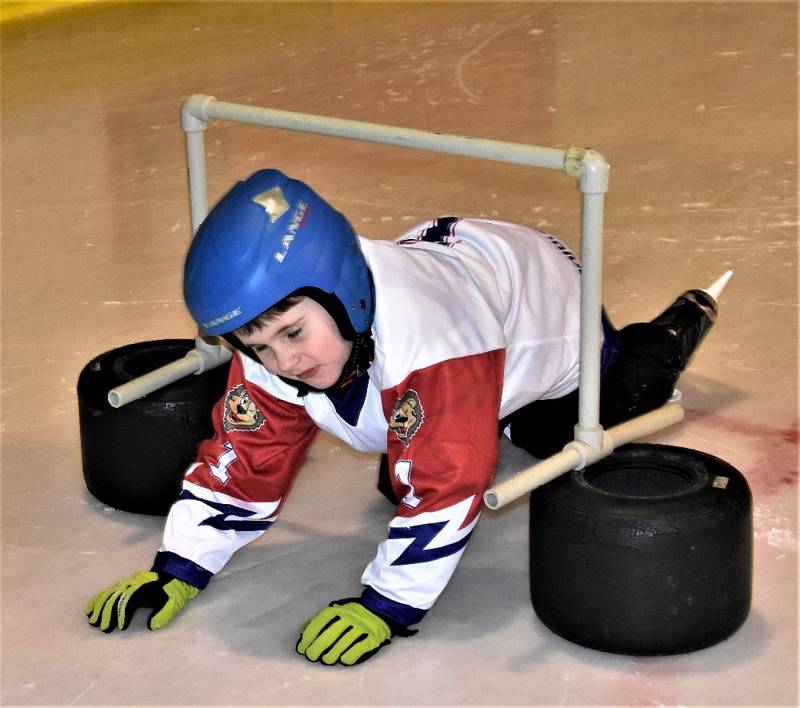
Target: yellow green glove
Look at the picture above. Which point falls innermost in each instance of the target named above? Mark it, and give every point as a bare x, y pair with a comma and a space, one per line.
345, 632
114, 607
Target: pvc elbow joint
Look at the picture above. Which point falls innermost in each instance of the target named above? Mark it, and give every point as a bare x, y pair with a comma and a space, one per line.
589, 167
208, 355
193, 113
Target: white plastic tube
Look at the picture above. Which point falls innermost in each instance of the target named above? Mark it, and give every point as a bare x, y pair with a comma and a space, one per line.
154, 380
203, 357
535, 476
577, 455
588, 429
208, 108
198, 109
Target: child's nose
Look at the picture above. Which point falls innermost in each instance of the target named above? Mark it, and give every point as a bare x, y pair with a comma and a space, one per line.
285, 360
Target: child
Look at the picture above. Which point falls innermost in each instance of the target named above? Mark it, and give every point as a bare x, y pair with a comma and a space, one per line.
421, 349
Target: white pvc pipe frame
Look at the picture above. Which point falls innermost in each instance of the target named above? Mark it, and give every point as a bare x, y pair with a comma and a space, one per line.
591, 441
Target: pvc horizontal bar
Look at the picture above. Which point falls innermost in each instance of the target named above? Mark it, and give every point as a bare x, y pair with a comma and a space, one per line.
203, 357
154, 380
207, 108
576, 455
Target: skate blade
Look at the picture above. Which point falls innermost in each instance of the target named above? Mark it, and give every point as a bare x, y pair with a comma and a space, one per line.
716, 288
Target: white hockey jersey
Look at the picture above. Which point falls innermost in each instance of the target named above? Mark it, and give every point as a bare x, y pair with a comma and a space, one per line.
473, 319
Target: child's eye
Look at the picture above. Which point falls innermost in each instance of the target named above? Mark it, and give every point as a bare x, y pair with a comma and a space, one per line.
292, 333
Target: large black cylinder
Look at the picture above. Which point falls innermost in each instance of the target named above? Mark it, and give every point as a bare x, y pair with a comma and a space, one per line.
134, 457
648, 551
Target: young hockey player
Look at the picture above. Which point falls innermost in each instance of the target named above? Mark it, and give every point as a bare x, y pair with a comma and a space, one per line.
421, 349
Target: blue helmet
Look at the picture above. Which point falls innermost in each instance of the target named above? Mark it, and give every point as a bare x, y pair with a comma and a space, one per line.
267, 238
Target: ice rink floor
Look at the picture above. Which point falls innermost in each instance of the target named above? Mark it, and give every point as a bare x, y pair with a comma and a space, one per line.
695, 107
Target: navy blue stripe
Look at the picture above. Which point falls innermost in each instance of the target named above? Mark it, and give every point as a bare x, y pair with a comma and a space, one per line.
423, 535
441, 229
563, 248
182, 568
404, 615
611, 345
221, 520
349, 402
224, 524
228, 509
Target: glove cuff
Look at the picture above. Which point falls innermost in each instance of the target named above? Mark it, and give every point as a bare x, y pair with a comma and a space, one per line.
182, 569
379, 605
398, 630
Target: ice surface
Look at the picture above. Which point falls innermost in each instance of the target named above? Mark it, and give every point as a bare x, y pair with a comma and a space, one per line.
694, 106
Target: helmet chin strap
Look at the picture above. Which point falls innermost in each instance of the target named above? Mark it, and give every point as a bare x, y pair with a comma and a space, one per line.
361, 354
358, 362
237, 344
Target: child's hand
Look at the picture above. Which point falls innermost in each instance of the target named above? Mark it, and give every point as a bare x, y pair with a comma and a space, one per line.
347, 633
114, 607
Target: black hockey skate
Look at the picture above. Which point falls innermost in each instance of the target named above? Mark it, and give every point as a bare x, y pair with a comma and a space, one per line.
690, 317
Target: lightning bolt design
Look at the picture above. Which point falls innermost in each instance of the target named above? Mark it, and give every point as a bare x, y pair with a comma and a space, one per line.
415, 562
418, 550
223, 522
433, 535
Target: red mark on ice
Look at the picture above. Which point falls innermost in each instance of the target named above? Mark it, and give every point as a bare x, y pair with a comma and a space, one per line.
776, 449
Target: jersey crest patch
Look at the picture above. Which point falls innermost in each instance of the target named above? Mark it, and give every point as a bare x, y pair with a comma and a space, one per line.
241, 413
407, 416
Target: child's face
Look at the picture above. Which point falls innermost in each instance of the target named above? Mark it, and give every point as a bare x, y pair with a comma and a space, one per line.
303, 344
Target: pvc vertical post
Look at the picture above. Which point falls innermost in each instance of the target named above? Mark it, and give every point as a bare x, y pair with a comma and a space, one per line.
593, 184
588, 426
194, 125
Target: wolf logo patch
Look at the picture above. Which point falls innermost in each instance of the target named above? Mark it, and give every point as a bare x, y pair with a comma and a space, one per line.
407, 416
241, 413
